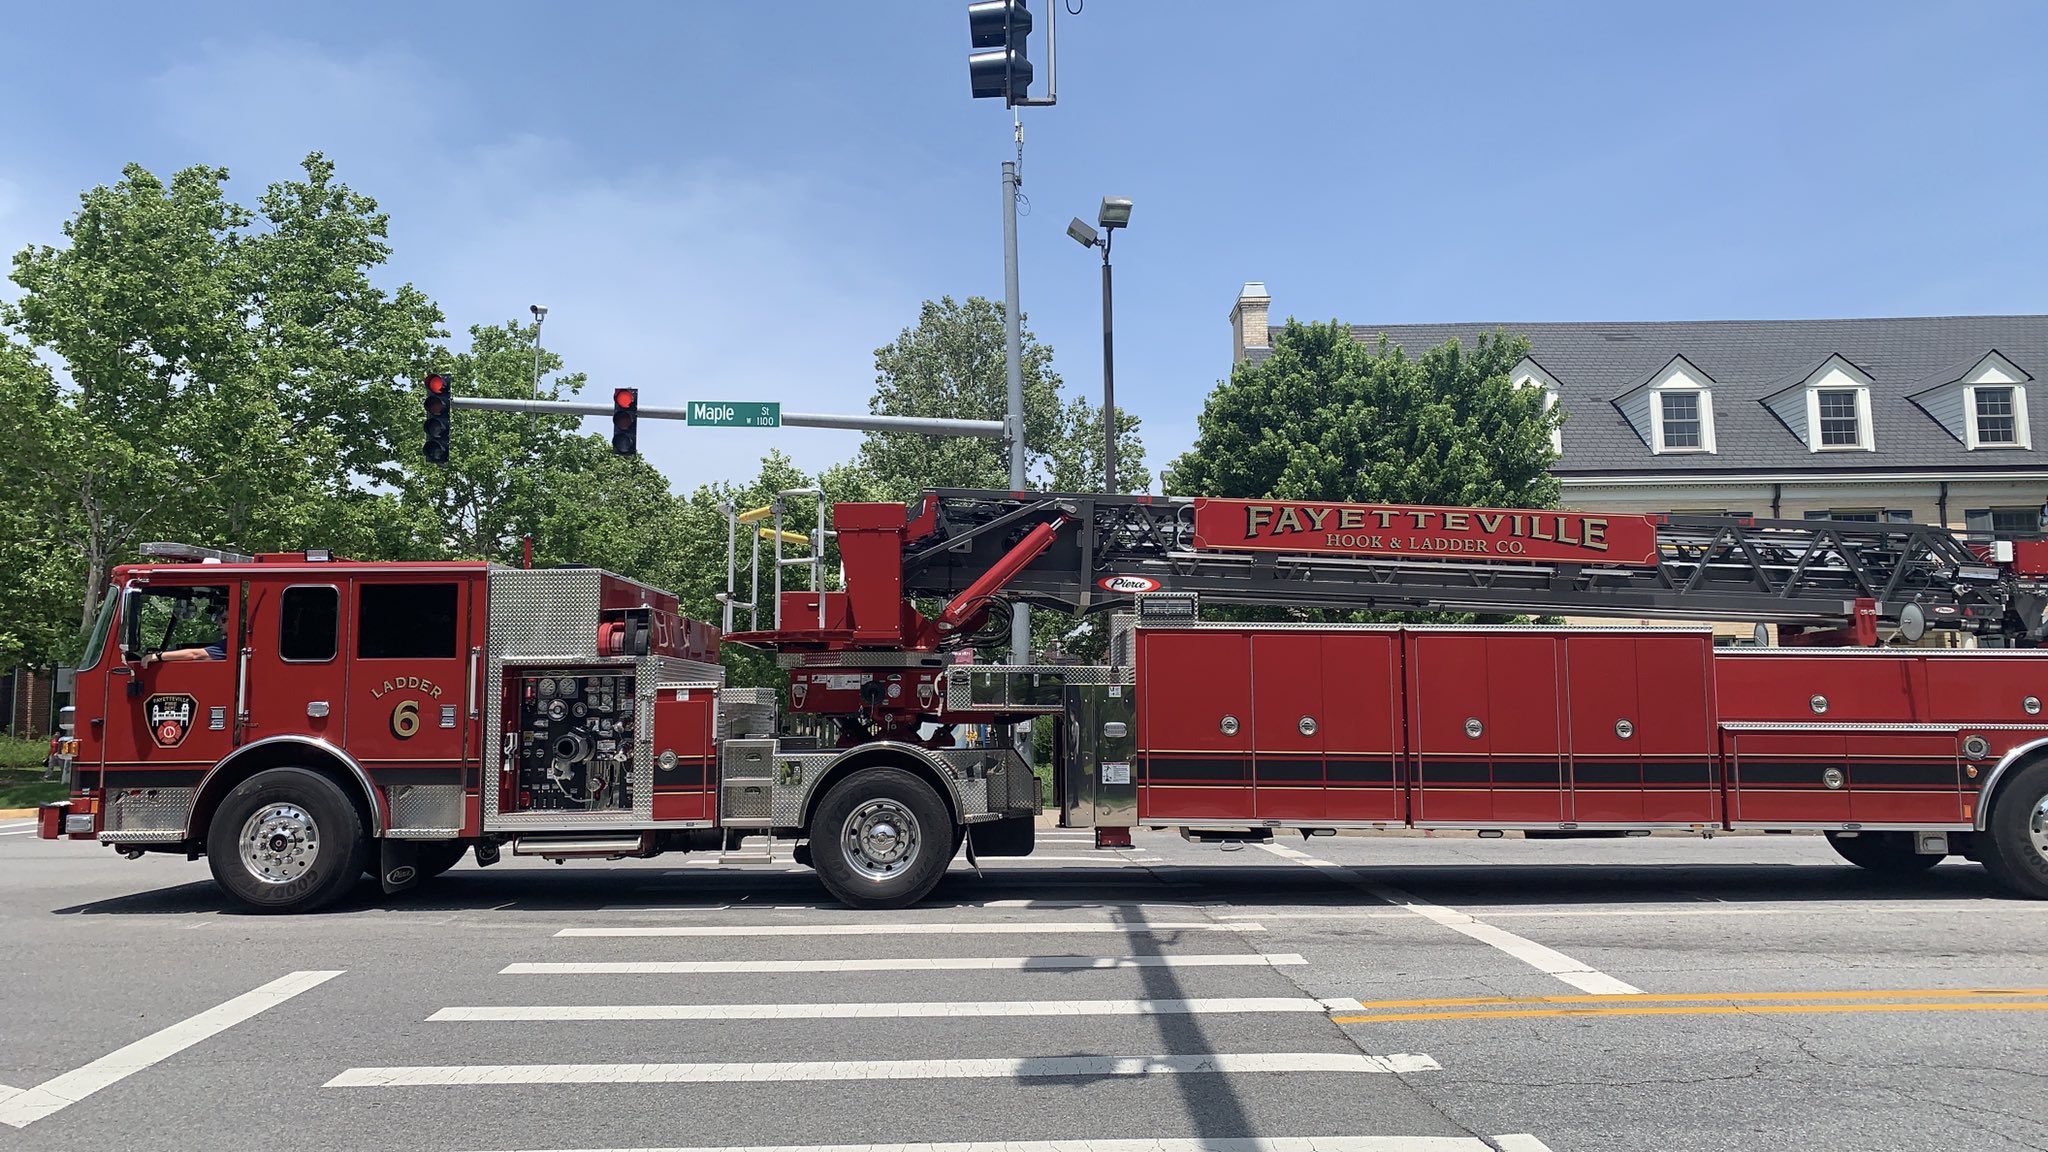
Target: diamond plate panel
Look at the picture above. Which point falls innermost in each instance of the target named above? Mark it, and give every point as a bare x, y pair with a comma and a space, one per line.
424, 811
746, 712
154, 813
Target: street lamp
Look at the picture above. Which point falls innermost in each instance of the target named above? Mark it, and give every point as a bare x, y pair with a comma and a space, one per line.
1115, 213
540, 315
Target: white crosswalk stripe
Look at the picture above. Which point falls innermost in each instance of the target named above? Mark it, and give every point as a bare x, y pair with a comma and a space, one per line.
988, 928
908, 964
1520, 1142
1000, 1067
890, 1010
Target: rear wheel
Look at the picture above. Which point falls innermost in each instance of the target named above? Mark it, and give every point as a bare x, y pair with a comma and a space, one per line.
879, 839
285, 840
1886, 853
2017, 852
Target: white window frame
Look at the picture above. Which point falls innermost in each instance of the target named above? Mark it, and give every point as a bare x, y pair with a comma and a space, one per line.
1865, 441
1702, 416
1706, 400
2022, 437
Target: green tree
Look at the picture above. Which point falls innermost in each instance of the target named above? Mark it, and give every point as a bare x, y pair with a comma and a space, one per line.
1326, 417
953, 363
227, 375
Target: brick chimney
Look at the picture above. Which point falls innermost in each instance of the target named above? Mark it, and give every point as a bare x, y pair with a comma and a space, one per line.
1248, 320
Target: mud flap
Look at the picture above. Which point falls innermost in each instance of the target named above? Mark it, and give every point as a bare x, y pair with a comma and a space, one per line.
399, 865
486, 853
1010, 836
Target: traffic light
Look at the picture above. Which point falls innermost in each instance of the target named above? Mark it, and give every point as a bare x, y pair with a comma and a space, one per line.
436, 402
625, 421
1001, 66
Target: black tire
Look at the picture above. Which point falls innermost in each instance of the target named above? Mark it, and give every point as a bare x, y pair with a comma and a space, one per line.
303, 807
1885, 853
439, 856
2010, 848
876, 798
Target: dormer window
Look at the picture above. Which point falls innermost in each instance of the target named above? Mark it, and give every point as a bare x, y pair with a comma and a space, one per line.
1981, 402
1530, 374
1672, 409
1828, 408
1994, 414
1841, 425
1681, 420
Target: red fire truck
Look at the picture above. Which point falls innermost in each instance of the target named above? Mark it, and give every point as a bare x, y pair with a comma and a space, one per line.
301, 720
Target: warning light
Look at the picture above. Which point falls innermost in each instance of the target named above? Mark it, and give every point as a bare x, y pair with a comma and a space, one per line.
626, 421
437, 403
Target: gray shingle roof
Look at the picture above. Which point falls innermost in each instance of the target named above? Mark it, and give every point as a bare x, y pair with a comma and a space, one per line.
1748, 360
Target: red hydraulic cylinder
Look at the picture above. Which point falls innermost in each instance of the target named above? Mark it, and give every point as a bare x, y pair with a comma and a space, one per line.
970, 601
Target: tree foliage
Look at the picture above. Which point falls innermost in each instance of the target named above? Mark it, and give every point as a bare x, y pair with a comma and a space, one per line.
953, 363
1326, 417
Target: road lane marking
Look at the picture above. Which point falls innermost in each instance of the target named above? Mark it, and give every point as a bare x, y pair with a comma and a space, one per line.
1708, 997
1230, 1005
1584, 977
1003, 1068
1555, 912
914, 929
919, 964
1699, 1010
1256, 1144
1520, 1142
27, 1106
985, 861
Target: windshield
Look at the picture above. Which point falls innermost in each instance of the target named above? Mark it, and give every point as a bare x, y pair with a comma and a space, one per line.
97, 642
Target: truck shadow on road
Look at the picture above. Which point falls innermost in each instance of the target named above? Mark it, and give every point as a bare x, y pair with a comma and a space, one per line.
1617, 888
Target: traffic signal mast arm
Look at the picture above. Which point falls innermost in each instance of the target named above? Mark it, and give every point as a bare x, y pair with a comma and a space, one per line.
1822, 581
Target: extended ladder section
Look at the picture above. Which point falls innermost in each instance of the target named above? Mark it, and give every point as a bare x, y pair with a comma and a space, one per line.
1816, 574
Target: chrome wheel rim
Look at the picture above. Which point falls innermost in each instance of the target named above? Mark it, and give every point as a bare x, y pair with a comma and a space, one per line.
882, 839
280, 843
2037, 827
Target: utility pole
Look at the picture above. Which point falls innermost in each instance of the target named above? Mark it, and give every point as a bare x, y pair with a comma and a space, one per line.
1013, 340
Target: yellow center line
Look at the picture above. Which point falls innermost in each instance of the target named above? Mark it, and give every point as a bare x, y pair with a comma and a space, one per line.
1652, 998
1700, 1010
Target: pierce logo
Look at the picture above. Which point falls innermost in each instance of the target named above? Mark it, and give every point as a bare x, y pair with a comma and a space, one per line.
170, 718
1128, 584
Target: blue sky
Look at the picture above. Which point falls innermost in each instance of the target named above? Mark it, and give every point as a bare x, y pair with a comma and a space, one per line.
742, 200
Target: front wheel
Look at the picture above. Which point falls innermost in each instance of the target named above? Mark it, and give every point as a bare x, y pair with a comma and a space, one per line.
1885, 853
879, 839
285, 840
2017, 852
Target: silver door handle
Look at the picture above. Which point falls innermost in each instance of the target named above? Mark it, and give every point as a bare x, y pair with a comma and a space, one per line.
475, 654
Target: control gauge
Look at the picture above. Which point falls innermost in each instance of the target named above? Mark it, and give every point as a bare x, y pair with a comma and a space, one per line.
547, 686
566, 686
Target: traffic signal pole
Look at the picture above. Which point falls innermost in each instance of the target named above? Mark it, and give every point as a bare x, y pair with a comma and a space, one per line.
929, 426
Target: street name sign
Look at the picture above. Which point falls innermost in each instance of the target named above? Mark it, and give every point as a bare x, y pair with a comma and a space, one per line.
734, 414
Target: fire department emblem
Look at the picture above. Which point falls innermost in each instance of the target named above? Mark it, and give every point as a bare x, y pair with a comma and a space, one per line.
170, 718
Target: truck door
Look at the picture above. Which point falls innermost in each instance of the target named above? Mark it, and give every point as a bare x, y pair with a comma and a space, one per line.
296, 668
1484, 728
170, 712
408, 678
1289, 716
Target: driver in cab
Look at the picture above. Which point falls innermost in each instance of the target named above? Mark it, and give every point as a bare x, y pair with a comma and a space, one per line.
215, 613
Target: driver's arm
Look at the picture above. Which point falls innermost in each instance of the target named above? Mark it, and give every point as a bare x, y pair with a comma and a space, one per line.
177, 656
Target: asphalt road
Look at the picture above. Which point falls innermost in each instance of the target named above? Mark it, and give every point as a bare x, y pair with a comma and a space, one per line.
1425, 994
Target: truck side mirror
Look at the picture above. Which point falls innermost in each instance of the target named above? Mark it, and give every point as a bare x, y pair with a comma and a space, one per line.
131, 624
